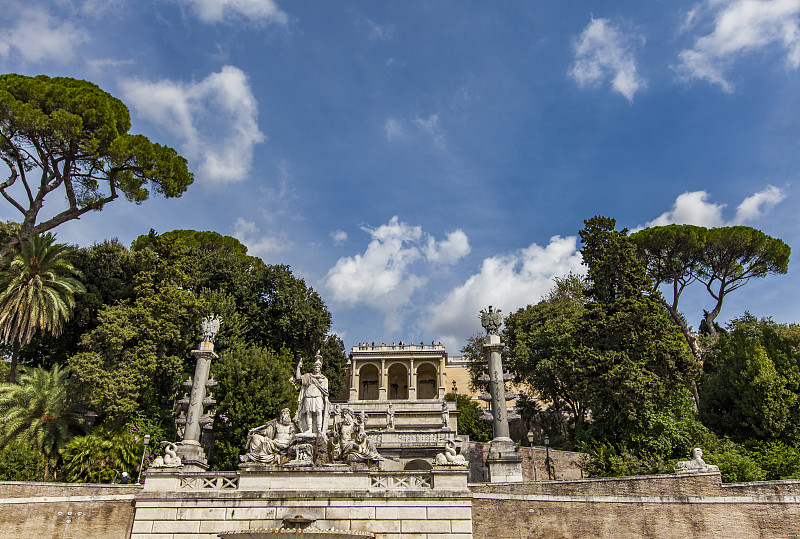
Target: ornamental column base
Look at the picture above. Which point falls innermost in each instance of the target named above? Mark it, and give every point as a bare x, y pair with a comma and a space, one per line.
504, 461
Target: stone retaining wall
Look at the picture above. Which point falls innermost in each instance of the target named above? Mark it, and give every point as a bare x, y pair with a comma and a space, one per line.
66, 510
663, 506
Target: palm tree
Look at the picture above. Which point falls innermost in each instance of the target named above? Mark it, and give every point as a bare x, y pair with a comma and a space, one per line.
37, 291
37, 412
101, 456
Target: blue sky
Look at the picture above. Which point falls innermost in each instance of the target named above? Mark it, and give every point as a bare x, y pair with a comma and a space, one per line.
417, 161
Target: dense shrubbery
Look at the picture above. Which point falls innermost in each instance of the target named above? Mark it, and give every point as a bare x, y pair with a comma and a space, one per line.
21, 462
103, 455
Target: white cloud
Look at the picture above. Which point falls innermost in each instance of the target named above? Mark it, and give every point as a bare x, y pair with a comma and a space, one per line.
430, 126
216, 119
448, 251
339, 237
508, 282
382, 276
692, 208
36, 36
213, 11
603, 52
393, 129
756, 205
257, 245
740, 27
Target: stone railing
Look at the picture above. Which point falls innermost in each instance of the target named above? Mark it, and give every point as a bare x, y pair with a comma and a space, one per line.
401, 481
210, 482
383, 347
337, 478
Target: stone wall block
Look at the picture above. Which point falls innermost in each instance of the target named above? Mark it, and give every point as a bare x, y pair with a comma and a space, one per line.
376, 526
309, 511
348, 513
215, 526
156, 513
201, 513
449, 513
425, 526
250, 513
142, 526
461, 526
400, 513
176, 526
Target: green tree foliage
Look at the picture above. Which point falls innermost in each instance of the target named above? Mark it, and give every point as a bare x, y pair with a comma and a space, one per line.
735, 462
603, 459
38, 412
614, 270
618, 356
21, 462
469, 422
751, 383
135, 358
102, 455
108, 274
37, 293
541, 344
280, 309
68, 135
334, 366
287, 313
673, 255
476, 362
254, 386
572, 288
723, 259
734, 255
777, 459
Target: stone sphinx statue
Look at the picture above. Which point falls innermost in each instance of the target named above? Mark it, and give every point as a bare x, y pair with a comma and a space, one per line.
450, 457
170, 458
271, 443
696, 465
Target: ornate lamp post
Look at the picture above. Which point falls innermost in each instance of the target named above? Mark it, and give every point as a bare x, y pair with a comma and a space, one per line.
547, 459
533, 455
141, 463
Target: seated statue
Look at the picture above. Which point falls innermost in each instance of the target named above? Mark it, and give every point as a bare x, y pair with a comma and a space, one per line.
696, 465
450, 457
271, 443
350, 441
363, 450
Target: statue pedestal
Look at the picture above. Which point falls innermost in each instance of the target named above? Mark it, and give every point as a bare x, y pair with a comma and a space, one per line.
192, 456
504, 461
